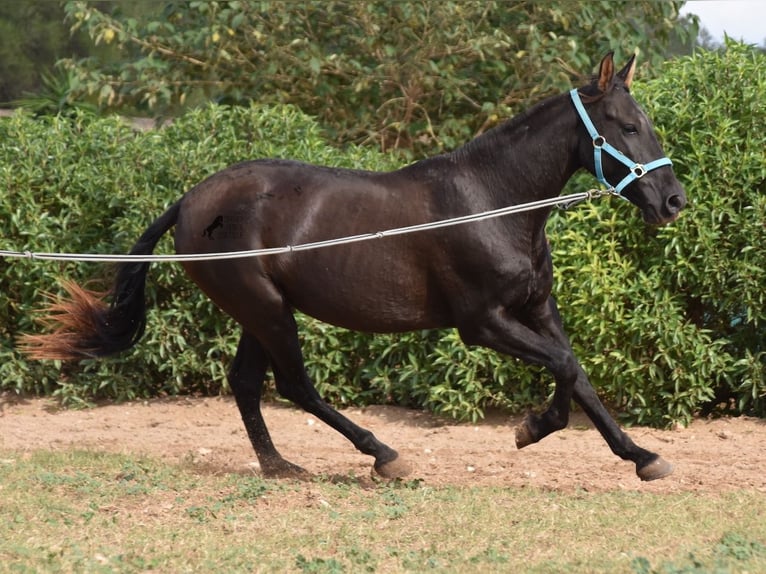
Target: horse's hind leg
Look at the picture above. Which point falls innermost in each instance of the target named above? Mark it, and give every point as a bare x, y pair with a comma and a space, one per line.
294, 384
246, 377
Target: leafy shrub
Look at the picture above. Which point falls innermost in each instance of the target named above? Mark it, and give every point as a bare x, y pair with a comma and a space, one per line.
664, 320
89, 185
627, 325
712, 111
669, 321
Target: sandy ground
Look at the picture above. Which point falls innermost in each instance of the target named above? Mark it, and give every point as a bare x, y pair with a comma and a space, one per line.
710, 455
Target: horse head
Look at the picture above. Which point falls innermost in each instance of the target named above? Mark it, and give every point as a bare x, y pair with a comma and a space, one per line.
619, 146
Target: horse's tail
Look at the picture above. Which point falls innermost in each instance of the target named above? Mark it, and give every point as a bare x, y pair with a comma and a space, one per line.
84, 326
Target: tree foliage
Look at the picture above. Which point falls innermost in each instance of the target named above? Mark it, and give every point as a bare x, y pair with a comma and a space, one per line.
32, 38
426, 74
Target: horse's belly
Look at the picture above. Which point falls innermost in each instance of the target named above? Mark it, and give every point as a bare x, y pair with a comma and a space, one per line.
372, 303
376, 319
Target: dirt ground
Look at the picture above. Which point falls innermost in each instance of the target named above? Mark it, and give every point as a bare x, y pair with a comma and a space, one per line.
207, 433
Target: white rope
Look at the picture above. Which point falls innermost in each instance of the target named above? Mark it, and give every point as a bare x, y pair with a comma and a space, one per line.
565, 201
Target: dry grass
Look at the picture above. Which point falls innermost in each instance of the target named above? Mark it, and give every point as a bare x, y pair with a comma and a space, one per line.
88, 512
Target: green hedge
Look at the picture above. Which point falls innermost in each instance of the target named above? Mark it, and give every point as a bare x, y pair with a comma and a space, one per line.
666, 321
86, 184
672, 321
712, 109
93, 185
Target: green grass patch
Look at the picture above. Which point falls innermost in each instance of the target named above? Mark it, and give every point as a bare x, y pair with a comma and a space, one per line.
93, 512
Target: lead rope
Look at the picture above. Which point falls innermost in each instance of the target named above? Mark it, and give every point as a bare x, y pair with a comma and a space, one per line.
564, 202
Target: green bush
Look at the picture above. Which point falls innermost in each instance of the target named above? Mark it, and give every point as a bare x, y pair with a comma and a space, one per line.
671, 321
89, 185
666, 321
713, 113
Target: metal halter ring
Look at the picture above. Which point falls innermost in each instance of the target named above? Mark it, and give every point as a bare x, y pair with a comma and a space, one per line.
599, 141
638, 170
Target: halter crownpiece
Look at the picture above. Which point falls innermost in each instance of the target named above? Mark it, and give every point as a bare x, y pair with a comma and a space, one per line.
637, 170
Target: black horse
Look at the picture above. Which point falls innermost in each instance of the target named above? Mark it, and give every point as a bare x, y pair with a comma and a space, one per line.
490, 280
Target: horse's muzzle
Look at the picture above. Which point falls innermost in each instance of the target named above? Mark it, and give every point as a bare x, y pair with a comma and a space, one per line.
667, 212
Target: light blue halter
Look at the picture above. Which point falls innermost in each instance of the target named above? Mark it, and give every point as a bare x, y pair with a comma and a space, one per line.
637, 170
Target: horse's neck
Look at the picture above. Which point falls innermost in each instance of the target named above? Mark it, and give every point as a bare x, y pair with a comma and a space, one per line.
527, 158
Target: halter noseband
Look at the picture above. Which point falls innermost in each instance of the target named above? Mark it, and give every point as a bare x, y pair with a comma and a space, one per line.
637, 170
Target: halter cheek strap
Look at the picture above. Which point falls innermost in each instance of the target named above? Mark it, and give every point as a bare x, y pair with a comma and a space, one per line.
600, 144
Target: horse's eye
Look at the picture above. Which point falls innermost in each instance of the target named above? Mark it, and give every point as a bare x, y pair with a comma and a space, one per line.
630, 129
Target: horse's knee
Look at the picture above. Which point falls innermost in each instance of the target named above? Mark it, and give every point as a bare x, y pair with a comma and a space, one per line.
565, 369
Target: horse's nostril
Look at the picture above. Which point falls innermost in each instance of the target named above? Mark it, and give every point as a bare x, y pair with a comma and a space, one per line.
675, 203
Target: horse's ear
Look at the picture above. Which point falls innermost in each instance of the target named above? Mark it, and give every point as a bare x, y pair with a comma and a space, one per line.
626, 74
606, 72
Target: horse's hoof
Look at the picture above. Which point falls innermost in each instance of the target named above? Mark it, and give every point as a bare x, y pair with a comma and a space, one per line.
396, 468
524, 435
658, 468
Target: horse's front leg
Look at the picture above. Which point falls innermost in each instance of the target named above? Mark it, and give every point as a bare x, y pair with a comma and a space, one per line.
537, 337
649, 465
